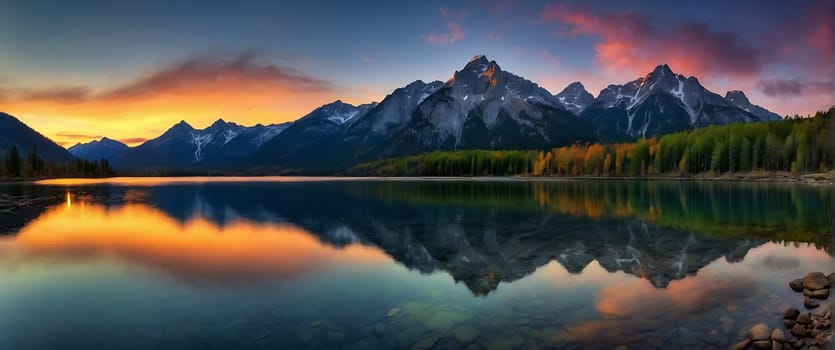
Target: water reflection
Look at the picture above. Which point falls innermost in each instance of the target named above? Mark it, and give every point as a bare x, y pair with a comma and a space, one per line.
326, 264
196, 249
481, 233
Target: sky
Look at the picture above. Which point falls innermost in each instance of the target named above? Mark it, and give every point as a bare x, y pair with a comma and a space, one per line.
80, 70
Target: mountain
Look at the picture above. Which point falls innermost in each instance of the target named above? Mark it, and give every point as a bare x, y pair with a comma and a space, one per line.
310, 134
575, 97
659, 103
481, 106
738, 98
484, 107
182, 146
13, 132
102, 149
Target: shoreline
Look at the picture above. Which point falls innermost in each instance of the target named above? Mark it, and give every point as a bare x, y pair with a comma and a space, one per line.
827, 178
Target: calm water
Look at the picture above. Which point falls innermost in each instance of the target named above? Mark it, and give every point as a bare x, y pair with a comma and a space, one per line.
359, 264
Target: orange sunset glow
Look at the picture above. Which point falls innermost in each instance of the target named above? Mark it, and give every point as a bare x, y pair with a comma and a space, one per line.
198, 91
197, 249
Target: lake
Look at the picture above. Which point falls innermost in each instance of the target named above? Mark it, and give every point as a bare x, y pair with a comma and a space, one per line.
318, 263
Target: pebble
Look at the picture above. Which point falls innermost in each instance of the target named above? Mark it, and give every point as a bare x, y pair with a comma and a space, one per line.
392, 312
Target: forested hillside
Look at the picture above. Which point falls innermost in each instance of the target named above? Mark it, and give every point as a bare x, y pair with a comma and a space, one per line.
32, 166
798, 145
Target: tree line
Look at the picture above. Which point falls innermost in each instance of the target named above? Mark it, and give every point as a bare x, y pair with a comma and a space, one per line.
798, 145
32, 166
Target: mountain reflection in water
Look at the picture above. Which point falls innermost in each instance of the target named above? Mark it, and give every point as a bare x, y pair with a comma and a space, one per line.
401, 264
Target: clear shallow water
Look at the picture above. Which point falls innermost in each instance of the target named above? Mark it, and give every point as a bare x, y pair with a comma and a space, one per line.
284, 263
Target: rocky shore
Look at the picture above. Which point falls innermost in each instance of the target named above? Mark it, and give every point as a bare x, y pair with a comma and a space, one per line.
810, 329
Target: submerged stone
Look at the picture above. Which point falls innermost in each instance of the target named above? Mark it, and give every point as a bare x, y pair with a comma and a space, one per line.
465, 334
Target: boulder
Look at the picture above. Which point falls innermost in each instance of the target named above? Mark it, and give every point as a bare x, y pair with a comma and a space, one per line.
815, 281
759, 331
796, 285
778, 335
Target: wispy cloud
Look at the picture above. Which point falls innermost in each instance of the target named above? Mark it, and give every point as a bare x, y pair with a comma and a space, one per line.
795, 87
76, 136
455, 31
247, 87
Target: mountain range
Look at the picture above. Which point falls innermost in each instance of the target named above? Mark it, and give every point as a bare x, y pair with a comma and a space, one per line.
481, 106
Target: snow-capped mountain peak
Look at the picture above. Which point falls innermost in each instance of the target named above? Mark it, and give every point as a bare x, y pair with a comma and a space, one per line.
575, 97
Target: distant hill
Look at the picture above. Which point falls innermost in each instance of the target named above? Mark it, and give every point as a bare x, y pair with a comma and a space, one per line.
13, 132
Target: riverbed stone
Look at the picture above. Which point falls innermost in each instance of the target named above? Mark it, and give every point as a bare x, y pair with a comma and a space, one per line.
505, 342
809, 303
804, 318
821, 293
426, 343
762, 344
727, 326
791, 313
799, 331
759, 331
775, 345
742, 345
393, 311
796, 285
465, 334
815, 281
788, 323
778, 335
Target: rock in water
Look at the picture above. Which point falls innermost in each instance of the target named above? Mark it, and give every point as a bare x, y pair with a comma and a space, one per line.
742, 345
820, 294
392, 312
804, 318
815, 281
810, 304
465, 334
762, 344
791, 313
777, 335
759, 331
796, 285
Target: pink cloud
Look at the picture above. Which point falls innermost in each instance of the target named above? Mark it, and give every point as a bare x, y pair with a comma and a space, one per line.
629, 41
455, 32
